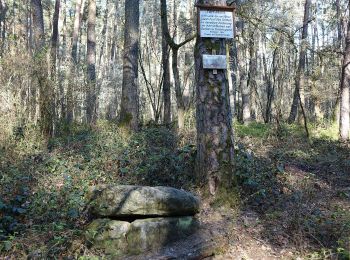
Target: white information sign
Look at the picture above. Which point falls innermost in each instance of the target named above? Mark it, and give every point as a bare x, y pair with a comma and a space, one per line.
216, 24
214, 62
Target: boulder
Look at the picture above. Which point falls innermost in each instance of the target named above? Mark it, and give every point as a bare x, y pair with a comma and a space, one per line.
155, 233
123, 201
120, 238
109, 235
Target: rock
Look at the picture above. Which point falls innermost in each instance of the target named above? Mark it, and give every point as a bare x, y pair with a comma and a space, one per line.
120, 238
135, 201
154, 233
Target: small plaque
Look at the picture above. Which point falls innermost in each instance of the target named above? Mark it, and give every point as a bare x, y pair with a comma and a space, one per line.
216, 24
214, 62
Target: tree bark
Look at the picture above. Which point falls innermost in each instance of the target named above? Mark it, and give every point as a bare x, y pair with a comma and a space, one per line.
129, 114
300, 78
91, 96
344, 122
213, 115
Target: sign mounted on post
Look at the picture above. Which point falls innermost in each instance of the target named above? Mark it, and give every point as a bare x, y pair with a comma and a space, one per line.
216, 21
216, 24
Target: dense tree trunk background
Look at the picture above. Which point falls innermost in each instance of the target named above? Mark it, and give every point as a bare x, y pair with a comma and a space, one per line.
280, 48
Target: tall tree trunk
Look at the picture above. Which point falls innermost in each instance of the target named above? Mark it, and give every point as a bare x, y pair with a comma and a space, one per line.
54, 38
213, 114
115, 31
251, 82
175, 50
76, 28
91, 97
336, 109
300, 77
166, 80
233, 53
3, 11
79, 7
46, 93
344, 128
129, 114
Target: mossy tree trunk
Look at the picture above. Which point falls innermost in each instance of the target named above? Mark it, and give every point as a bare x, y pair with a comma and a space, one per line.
214, 120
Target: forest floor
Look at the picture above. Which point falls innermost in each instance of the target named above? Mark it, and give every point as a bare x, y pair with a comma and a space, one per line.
294, 192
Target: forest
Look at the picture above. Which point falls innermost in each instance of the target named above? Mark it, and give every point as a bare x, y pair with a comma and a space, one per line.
131, 129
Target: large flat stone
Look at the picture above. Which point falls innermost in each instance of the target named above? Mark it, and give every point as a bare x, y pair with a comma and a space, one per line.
130, 201
119, 238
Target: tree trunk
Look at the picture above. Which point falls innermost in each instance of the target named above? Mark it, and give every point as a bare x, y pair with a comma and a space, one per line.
46, 94
166, 81
213, 114
300, 78
76, 28
3, 11
91, 96
79, 7
54, 38
129, 114
115, 31
175, 50
345, 91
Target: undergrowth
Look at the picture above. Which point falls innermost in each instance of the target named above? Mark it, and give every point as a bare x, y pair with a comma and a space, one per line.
300, 187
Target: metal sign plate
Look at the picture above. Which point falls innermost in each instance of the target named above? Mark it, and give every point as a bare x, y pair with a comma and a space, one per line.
214, 62
216, 24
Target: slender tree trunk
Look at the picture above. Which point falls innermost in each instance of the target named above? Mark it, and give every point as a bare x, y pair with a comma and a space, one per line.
166, 80
233, 53
213, 114
129, 113
76, 28
336, 109
54, 38
344, 128
79, 7
91, 97
300, 78
115, 31
3, 11
251, 82
61, 59
175, 50
46, 93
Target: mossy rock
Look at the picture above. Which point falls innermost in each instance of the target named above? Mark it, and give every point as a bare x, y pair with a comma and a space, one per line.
119, 238
129, 201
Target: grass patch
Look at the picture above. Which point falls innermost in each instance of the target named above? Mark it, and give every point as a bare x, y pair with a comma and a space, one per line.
258, 130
